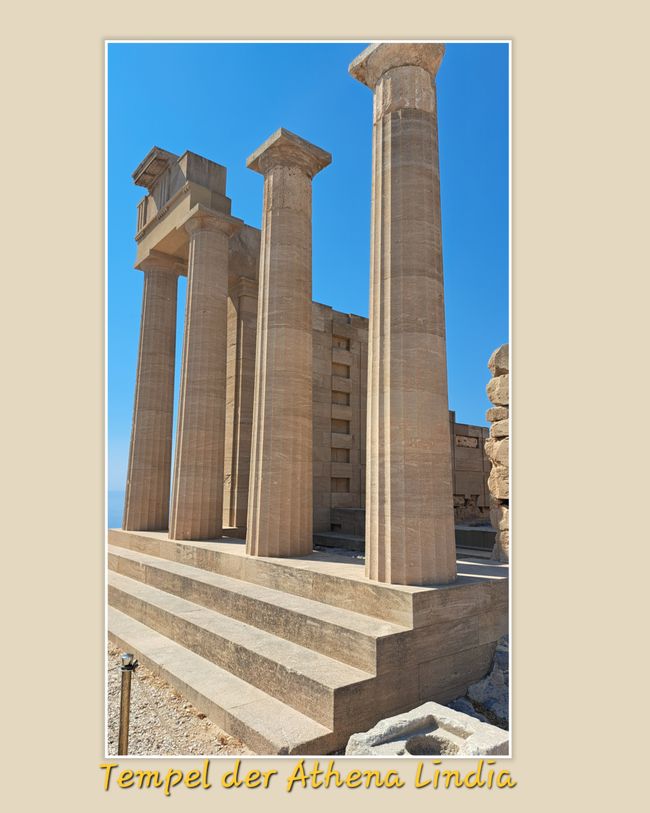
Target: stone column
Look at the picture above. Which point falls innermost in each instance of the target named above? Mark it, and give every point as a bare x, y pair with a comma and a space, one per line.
409, 501
146, 503
197, 494
240, 380
280, 498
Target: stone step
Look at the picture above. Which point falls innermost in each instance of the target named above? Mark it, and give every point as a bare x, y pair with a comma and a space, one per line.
265, 724
358, 640
309, 682
327, 577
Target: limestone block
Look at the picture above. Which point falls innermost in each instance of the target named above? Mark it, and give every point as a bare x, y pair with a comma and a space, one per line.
498, 390
497, 413
499, 483
497, 450
499, 363
501, 550
500, 517
500, 429
492, 693
430, 729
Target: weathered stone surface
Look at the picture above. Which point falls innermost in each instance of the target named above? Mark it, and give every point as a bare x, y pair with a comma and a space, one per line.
500, 429
498, 390
493, 692
499, 517
499, 483
497, 450
497, 413
409, 497
499, 363
501, 551
430, 729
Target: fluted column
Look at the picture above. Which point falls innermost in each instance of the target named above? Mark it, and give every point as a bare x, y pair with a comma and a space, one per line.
242, 327
280, 498
197, 494
146, 503
409, 493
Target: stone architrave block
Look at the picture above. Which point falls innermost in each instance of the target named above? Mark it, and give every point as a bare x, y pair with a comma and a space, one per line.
498, 390
499, 363
430, 729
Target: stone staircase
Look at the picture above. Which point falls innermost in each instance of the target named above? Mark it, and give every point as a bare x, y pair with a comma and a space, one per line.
291, 655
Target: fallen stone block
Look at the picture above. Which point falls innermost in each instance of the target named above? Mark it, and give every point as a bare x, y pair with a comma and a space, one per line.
430, 729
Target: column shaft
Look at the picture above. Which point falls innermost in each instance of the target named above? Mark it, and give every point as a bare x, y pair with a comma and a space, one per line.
409, 493
280, 518
146, 504
242, 327
197, 495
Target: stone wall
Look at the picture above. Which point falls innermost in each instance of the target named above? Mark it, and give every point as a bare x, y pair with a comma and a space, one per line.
497, 449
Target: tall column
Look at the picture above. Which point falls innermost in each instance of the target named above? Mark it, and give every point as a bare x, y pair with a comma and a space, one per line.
240, 380
197, 493
146, 504
280, 497
409, 499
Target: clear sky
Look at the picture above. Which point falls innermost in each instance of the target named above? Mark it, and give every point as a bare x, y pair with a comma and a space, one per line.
222, 100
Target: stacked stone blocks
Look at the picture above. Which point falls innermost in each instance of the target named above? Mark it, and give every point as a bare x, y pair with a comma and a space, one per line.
497, 448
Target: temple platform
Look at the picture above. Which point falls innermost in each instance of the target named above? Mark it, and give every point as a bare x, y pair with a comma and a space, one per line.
294, 655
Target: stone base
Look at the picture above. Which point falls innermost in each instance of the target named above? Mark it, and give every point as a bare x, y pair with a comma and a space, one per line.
294, 655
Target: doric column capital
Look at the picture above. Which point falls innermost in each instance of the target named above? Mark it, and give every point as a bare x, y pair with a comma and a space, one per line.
201, 218
371, 64
245, 286
164, 263
284, 148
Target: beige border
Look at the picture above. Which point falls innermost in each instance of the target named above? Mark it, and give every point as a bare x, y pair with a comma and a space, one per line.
579, 144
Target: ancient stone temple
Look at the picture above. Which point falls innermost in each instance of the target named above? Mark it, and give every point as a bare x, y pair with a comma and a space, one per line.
292, 421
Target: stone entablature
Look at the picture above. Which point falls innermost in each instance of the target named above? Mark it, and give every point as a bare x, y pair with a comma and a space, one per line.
176, 185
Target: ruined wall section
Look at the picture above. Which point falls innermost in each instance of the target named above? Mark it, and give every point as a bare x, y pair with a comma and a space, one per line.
497, 449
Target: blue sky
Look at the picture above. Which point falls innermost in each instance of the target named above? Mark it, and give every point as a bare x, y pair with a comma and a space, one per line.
222, 100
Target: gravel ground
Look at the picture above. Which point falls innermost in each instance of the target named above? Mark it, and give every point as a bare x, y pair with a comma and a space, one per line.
163, 723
